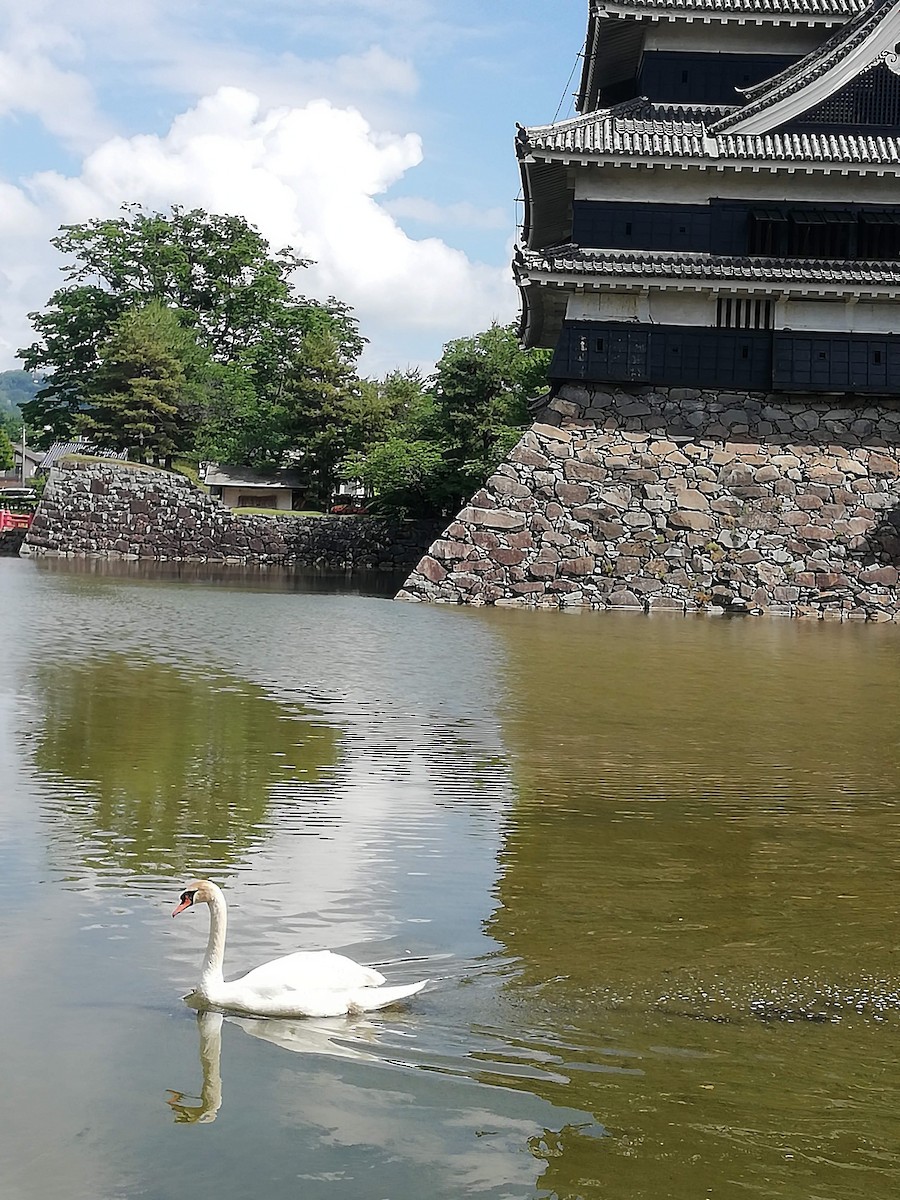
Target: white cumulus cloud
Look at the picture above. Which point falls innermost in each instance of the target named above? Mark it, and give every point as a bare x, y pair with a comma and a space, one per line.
313, 177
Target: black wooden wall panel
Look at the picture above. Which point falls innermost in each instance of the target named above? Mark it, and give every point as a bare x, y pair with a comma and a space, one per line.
861, 362
752, 359
670, 76
618, 225
674, 355
732, 227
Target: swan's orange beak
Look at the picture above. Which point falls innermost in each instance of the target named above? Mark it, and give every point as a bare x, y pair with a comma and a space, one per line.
186, 902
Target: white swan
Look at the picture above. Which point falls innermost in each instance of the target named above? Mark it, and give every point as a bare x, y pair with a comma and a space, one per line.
314, 983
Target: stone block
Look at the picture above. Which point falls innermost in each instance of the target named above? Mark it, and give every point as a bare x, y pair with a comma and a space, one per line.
691, 499
525, 456
815, 533
827, 476
644, 585
690, 519
565, 408
543, 569
610, 530
577, 566
831, 581
493, 518
637, 519
624, 599
485, 539
882, 576
433, 571
882, 464
502, 485
572, 494
550, 433
577, 471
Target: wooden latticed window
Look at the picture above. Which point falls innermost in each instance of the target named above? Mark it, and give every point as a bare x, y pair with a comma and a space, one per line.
873, 98
821, 233
767, 234
879, 235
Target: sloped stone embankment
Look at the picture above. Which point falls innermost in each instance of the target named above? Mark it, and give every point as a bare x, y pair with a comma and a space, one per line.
108, 510
684, 500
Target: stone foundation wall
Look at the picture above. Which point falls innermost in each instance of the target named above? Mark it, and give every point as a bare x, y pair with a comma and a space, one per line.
107, 510
685, 500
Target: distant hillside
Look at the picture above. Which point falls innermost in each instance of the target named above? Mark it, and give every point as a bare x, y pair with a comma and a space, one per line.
15, 388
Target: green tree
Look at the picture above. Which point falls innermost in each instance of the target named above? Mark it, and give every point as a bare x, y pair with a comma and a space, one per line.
7, 455
238, 425
146, 390
11, 424
317, 399
379, 409
481, 389
439, 442
403, 475
230, 291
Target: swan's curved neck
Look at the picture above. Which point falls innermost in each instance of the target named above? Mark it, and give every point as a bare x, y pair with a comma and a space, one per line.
215, 947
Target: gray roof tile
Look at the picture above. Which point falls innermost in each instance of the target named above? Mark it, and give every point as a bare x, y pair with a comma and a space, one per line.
643, 264
811, 8
642, 129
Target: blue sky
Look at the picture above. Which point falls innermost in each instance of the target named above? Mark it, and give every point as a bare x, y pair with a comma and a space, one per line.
376, 136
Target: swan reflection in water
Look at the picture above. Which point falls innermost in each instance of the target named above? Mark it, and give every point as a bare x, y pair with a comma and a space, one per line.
306, 1036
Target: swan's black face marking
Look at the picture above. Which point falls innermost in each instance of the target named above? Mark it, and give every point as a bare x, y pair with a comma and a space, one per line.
186, 900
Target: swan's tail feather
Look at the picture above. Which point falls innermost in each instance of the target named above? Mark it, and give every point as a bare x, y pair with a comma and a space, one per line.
368, 999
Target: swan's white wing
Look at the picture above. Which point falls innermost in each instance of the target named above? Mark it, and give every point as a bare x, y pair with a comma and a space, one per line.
311, 971
371, 999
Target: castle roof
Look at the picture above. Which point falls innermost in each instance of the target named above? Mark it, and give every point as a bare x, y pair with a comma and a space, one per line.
576, 261
614, 26
642, 130
732, 9
547, 277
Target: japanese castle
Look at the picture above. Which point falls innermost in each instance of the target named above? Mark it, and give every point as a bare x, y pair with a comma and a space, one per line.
724, 212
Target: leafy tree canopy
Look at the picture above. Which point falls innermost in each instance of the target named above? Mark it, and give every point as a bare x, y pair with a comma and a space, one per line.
232, 296
148, 388
7, 455
448, 434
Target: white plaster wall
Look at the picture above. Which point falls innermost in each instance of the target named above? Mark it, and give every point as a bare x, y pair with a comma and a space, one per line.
658, 308
683, 308
605, 305
730, 38
827, 315
690, 185
280, 499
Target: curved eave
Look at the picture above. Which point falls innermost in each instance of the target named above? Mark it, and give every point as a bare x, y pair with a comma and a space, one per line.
548, 197
542, 311
589, 88
531, 313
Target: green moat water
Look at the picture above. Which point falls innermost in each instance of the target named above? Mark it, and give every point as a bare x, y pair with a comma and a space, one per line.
649, 865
